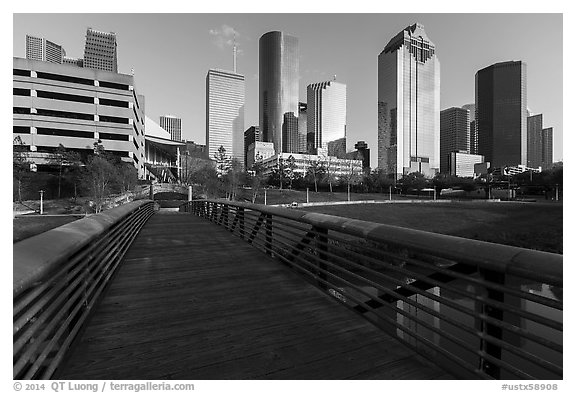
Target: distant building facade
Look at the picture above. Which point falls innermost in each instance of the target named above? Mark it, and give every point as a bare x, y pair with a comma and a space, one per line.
547, 143
461, 163
454, 134
338, 167
278, 78
362, 153
409, 104
173, 125
501, 113
259, 151
302, 127
251, 135
225, 113
100, 51
41, 49
57, 104
472, 129
327, 116
534, 140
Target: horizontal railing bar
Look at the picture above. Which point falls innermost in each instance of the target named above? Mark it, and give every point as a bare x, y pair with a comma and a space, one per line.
451, 304
533, 264
528, 356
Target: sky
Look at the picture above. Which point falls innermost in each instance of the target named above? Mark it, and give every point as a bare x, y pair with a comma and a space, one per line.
171, 54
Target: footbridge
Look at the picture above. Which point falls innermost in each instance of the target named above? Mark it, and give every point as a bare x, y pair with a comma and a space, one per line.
224, 290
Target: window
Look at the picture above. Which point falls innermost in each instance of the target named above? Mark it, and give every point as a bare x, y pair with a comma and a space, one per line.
64, 97
65, 78
21, 130
21, 92
21, 110
61, 132
114, 119
113, 137
109, 102
21, 72
112, 85
68, 115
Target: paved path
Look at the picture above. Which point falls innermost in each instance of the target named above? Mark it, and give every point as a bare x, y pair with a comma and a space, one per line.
191, 301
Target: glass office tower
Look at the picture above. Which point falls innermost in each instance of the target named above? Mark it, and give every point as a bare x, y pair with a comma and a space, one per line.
225, 113
409, 105
547, 145
501, 114
327, 116
534, 137
278, 87
454, 134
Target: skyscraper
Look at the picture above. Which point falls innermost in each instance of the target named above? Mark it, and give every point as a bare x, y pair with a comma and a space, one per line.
534, 139
100, 51
302, 127
547, 142
278, 86
454, 134
251, 135
472, 129
327, 116
501, 113
409, 104
173, 125
225, 113
43, 50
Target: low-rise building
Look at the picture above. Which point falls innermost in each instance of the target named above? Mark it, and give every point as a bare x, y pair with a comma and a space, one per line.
338, 167
461, 164
57, 104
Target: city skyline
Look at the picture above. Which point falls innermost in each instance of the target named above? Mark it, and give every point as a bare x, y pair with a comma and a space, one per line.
355, 65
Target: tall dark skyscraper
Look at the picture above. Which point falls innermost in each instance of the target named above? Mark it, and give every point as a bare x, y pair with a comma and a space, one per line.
278, 87
501, 113
534, 138
547, 142
454, 134
472, 128
100, 51
409, 104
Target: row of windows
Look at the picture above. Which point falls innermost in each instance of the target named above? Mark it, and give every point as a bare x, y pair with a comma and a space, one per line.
71, 79
61, 132
72, 97
71, 115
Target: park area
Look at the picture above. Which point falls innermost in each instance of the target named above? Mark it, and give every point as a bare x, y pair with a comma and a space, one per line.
529, 225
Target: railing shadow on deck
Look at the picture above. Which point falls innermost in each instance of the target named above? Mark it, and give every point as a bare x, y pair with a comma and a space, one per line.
480, 310
58, 277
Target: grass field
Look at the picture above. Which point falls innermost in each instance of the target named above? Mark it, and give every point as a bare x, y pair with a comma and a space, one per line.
529, 225
275, 196
24, 227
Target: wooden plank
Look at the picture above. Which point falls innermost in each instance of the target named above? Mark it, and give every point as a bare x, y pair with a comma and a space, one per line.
191, 301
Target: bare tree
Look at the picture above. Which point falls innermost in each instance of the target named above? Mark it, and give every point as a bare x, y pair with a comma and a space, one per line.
20, 164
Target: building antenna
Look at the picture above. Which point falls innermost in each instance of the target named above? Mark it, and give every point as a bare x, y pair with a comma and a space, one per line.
234, 53
334, 77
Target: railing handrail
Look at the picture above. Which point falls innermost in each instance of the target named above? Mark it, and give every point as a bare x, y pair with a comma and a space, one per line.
35, 257
532, 264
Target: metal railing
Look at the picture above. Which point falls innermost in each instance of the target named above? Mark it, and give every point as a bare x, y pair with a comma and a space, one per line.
58, 277
478, 309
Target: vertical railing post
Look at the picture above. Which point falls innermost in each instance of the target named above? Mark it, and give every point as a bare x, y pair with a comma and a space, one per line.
241, 221
268, 243
225, 212
488, 328
322, 247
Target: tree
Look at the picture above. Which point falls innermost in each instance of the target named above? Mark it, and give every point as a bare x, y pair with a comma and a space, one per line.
127, 176
414, 181
232, 178
290, 168
20, 164
315, 172
99, 176
68, 163
223, 161
256, 179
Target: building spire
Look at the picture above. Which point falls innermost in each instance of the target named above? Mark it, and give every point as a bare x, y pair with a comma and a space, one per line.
234, 53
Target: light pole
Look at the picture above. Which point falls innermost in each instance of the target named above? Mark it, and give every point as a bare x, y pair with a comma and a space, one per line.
41, 202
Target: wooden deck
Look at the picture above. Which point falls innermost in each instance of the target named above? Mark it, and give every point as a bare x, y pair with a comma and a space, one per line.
191, 301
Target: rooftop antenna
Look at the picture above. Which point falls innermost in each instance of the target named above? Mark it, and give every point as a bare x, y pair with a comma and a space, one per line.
235, 52
334, 77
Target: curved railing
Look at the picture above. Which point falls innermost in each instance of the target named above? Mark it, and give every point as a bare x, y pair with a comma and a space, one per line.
480, 310
58, 276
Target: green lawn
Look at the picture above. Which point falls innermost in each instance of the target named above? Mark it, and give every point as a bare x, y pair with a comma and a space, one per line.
25, 227
275, 196
529, 225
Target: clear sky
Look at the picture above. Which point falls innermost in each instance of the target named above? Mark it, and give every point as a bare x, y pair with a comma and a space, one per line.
171, 54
